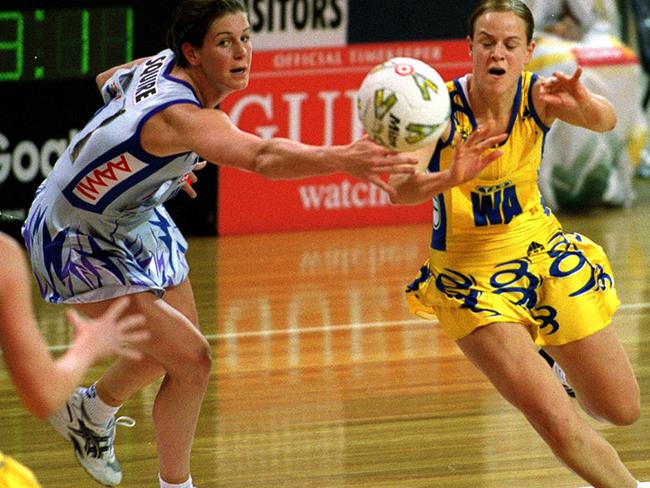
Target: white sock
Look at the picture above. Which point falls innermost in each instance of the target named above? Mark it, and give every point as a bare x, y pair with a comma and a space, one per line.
98, 411
186, 484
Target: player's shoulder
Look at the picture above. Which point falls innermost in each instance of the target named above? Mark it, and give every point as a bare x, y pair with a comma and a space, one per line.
9, 247
179, 115
533, 85
533, 79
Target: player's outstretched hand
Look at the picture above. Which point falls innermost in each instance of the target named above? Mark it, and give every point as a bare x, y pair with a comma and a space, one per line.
564, 91
470, 157
190, 178
112, 333
367, 160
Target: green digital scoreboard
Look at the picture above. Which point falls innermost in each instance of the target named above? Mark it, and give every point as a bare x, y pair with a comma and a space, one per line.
59, 44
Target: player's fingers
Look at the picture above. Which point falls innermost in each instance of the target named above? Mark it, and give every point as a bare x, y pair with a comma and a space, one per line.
116, 309
383, 185
493, 141
489, 157
558, 75
130, 353
395, 163
577, 74
132, 322
191, 192
562, 76
73, 318
479, 142
395, 169
401, 159
483, 130
549, 84
199, 166
135, 337
366, 137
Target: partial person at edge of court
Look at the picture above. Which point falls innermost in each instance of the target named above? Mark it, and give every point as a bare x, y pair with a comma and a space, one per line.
42, 382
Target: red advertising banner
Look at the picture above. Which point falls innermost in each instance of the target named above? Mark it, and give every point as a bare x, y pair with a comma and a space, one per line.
604, 55
309, 95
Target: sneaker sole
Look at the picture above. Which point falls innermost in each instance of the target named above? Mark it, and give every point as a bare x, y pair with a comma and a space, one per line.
103, 483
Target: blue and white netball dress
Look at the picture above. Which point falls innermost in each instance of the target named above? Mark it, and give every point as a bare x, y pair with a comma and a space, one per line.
97, 228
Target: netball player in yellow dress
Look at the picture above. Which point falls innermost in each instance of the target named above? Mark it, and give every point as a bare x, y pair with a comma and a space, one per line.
503, 278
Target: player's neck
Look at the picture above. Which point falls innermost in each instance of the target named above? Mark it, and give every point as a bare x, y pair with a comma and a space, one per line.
488, 105
205, 92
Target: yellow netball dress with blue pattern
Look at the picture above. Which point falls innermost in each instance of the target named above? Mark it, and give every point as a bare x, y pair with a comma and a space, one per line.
15, 475
497, 253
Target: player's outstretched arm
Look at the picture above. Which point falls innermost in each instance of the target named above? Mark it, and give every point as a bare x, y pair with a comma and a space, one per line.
363, 159
212, 135
43, 383
566, 98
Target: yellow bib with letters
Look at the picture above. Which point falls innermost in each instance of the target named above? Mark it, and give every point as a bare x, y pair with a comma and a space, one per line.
501, 211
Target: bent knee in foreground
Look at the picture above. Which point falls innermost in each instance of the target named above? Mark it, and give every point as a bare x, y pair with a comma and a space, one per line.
623, 414
198, 359
622, 407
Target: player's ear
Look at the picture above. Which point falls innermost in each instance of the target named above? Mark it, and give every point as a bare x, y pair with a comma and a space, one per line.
529, 51
469, 44
191, 53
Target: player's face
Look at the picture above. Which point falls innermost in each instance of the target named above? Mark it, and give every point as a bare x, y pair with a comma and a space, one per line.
226, 53
499, 51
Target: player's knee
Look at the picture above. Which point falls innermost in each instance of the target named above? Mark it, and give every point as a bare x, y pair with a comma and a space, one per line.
200, 361
627, 416
618, 408
625, 413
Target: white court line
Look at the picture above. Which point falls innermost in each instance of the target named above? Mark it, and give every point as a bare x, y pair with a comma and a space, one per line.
311, 330
328, 328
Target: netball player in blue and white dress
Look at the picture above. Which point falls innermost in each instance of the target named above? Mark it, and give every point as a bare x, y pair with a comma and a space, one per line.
503, 278
97, 229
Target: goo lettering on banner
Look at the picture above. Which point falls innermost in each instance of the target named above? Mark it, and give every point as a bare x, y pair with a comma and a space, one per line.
309, 95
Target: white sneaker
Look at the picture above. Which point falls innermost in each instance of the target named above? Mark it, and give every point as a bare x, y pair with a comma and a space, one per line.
94, 445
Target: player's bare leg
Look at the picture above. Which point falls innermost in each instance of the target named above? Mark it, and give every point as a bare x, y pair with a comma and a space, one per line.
506, 354
596, 364
178, 350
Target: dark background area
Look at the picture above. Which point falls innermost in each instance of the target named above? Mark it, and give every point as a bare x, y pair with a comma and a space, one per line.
38, 111
408, 20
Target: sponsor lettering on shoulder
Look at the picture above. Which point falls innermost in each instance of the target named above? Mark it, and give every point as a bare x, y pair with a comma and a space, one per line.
148, 82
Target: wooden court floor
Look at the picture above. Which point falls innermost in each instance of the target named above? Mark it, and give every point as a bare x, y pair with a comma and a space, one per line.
322, 379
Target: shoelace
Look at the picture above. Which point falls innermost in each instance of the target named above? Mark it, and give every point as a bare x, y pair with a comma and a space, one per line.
125, 421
